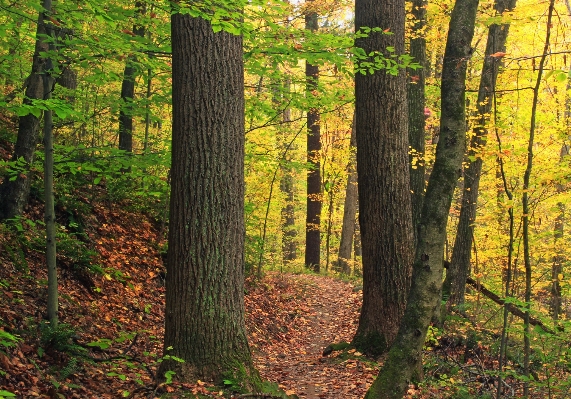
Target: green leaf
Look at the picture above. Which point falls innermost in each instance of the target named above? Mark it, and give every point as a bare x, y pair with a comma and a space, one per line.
102, 343
6, 394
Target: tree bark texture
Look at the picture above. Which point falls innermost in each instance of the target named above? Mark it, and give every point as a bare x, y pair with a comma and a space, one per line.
349, 208
204, 322
405, 356
383, 173
314, 195
460, 262
14, 194
416, 117
128, 91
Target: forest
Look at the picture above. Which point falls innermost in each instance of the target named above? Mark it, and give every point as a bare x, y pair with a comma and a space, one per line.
285, 199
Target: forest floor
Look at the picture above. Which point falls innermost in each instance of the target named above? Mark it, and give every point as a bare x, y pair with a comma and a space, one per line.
326, 312
111, 322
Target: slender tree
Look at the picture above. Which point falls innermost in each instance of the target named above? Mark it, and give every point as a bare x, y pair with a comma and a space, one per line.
459, 268
314, 197
204, 320
128, 90
383, 175
49, 212
349, 209
289, 245
525, 203
416, 112
14, 193
405, 356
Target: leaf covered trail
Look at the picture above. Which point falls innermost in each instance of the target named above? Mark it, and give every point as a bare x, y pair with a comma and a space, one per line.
305, 314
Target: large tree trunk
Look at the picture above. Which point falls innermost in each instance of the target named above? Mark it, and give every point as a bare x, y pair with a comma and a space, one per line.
416, 114
459, 268
383, 173
204, 321
128, 91
14, 194
314, 197
405, 356
349, 209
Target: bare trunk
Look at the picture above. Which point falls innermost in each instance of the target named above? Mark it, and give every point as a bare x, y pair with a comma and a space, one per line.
289, 245
384, 185
14, 193
525, 206
416, 114
314, 195
128, 92
204, 318
349, 209
49, 213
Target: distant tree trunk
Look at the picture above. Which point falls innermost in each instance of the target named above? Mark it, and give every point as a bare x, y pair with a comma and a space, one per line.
559, 258
49, 212
314, 197
405, 356
384, 185
289, 246
14, 194
459, 268
525, 204
349, 209
416, 114
204, 319
357, 248
128, 91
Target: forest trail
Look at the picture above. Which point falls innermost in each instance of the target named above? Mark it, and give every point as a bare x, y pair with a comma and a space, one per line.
327, 312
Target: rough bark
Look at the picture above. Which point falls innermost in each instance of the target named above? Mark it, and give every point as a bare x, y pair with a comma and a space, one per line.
405, 356
14, 194
128, 91
349, 209
460, 262
383, 174
314, 197
416, 117
204, 321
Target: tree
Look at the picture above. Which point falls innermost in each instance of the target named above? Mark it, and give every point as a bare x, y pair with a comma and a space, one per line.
349, 208
204, 322
289, 245
525, 202
383, 176
416, 112
459, 268
313, 218
49, 213
405, 356
14, 193
128, 91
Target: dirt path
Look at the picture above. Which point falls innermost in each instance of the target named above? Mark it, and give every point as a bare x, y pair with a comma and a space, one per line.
295, 362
